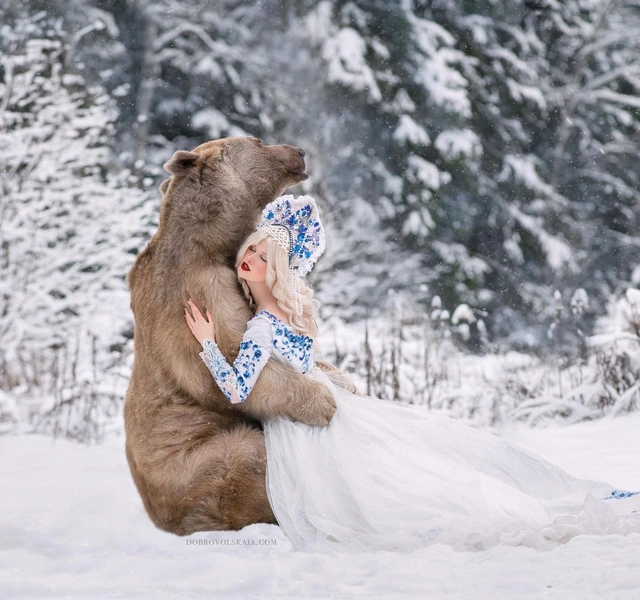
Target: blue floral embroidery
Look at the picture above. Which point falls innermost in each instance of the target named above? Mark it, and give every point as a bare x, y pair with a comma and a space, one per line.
619, 495
236, 382
295, 347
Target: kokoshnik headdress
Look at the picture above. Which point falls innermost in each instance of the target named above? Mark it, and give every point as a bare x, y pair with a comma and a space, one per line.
294, 223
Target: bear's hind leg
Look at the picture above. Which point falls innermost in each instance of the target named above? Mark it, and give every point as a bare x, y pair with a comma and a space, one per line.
196, 470
228, 487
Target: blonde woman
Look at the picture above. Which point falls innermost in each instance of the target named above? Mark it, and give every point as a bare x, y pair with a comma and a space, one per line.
285, 311
384, 475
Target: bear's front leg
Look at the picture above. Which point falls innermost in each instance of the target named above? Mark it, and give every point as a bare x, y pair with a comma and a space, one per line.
337, 377
282, 391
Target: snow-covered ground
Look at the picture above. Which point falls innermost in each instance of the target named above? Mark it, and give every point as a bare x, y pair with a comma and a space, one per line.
72, 526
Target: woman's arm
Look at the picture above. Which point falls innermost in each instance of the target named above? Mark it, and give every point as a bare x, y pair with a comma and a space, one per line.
280, 390
236, 381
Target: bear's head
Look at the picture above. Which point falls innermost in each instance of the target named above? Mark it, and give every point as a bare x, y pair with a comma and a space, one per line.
266, 171
217, 191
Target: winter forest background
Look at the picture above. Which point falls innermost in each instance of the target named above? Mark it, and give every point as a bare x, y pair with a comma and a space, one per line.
476, 162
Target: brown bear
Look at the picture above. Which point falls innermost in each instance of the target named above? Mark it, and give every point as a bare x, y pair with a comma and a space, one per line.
198, 461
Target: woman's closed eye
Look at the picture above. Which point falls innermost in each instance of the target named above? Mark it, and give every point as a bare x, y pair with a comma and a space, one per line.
263, 257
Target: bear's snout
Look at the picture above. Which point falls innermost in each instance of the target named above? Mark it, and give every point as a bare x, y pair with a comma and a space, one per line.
292, 159
298, 166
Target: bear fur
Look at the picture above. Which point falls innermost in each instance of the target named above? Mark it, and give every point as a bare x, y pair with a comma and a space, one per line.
197, 460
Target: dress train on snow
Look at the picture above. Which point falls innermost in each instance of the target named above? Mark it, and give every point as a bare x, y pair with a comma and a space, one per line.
389, 476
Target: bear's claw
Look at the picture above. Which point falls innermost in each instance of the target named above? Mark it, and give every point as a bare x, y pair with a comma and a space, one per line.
317, 410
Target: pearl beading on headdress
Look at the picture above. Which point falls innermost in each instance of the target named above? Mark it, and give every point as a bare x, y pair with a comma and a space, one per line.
294, 284
280, 234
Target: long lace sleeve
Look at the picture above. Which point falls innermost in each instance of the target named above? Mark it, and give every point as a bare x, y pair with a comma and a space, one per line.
237, 380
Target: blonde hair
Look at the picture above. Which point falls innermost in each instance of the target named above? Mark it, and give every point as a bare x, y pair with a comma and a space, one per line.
277, 280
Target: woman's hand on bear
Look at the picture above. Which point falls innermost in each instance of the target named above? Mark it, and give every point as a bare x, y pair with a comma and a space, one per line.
202, 329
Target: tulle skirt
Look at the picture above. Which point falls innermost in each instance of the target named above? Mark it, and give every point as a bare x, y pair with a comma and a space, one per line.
390, 476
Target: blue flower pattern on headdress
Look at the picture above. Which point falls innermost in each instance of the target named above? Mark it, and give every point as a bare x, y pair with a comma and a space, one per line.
300, 216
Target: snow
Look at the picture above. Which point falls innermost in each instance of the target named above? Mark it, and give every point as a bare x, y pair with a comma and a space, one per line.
512, 248
408, 131
446, 87
579, 302
558, 253
318, 23
478, 26
523, 169
402, 103
419, 222
426, 173
74, 527
520, 92
214, 123
620, 325
633, 297
456, 144
463, 313
208, 65
346, 63
469, 266
437, 73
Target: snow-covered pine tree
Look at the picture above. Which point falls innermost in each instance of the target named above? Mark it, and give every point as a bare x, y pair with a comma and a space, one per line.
360, 81
196, 81
552, 87
593, 161
486, 148
502, 255
68, 234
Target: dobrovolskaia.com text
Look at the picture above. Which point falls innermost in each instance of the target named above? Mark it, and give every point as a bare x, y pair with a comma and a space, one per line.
231, 542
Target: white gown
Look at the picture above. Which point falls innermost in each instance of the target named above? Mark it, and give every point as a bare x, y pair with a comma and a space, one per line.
390, 476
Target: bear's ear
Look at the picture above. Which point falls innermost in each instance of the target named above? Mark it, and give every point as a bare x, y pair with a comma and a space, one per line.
181, 162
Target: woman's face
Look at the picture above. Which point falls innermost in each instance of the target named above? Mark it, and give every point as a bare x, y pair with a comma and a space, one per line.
253, 266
